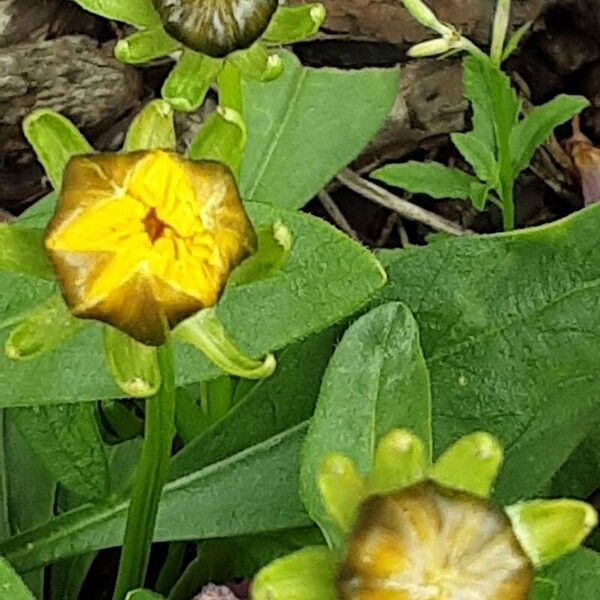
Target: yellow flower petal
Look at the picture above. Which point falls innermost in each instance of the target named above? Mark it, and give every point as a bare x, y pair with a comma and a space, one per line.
144, 240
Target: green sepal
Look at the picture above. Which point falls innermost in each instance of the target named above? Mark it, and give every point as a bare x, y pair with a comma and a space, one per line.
189, 81
274, 245
470, 465
256, 63
308, 574
22, 251
548, 529
222, 138
292, 24
145, 46
400, 461
140, 13
55, 140
41, 330
153, 128
134, 366
342, 489
205, 332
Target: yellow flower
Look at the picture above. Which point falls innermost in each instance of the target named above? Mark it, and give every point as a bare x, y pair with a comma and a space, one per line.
427, 541
143, 240
419, 531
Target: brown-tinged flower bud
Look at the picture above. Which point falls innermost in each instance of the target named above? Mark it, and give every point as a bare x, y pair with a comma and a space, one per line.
143, 240
426, 541
216, 27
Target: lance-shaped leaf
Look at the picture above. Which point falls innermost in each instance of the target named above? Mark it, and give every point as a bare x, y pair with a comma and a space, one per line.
190, 79
577, 575
295, 128
134, 12
227, 498
145, 46
539, 124
55, 141
510, 341
357, 406
433, 179
22, 251
292, 24
67, 441
153, 128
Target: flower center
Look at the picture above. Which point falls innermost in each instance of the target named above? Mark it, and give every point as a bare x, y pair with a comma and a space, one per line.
154, 227
429, 543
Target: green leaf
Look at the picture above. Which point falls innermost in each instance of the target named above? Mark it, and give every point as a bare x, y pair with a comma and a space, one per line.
357, 406
476, 92
187, 84
304, 297
578, 477
269, 408
543, 589
577, 575
515, 40
152, 128
434, 179
22, 251
299, 138
511, 341
135, 12
478, 155
11, 585
224, 499
292, 24
27, 493
538, 125
145, 46
55, 141
67, 442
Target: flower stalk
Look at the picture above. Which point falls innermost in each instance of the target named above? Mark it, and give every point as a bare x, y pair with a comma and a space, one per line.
150, 477
499, 30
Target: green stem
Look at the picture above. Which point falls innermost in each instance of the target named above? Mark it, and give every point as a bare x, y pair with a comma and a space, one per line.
501, 21
171, 568
150, 477
508, 208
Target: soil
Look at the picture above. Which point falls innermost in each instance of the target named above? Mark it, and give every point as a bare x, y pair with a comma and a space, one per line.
54, 54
